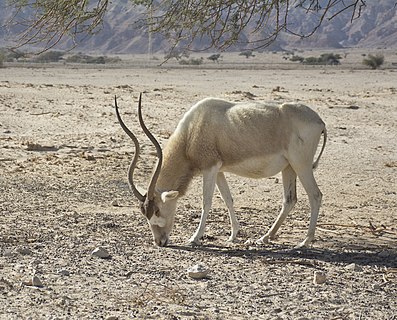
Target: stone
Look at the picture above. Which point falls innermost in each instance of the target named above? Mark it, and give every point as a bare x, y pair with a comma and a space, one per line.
63, 272
101, 253
319, 277
25, 251
353, 267
36, 282
7, 253
198, 271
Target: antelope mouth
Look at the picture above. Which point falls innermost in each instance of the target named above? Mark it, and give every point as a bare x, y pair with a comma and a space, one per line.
162, 242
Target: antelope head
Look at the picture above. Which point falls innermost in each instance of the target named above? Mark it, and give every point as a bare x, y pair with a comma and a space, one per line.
158, 207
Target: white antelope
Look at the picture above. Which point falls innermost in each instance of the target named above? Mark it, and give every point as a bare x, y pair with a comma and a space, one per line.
250, 139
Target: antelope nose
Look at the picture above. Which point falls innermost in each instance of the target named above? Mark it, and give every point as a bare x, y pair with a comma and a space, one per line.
162, 242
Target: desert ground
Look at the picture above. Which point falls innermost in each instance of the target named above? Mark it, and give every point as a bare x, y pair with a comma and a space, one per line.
64, 193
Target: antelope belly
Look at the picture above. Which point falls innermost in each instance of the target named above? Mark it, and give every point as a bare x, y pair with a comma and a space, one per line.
258, 167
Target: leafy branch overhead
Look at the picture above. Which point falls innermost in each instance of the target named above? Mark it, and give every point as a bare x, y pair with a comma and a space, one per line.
48, 22
219, 24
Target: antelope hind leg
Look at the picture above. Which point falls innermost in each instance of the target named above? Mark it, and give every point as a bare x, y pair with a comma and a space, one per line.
227, 198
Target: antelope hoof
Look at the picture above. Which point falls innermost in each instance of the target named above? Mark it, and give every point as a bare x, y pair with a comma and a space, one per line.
232, 239
193, 242
263, 240
304, 244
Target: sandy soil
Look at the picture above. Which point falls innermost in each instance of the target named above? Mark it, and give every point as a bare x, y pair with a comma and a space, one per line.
63, 193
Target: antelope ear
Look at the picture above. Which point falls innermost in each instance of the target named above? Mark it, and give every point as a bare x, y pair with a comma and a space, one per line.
169, 195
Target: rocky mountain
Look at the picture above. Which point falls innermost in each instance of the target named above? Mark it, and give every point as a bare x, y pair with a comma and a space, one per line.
122, 31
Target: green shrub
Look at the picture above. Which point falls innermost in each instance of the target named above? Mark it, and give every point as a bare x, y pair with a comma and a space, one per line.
13, 55
374, 61
177, 54
84, 58
214, 57
49, 56
97, 60
114, 59
297, 58
311, 60
191, 62
247, 53
330, 58
324, 59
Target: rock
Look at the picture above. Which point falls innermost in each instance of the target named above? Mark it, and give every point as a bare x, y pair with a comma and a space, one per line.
38, 147
63, 272
276, 89
319, 277
353, 267
101, 253
36, 282
25, 251
198, 271
115, 203
87, 156
7, 253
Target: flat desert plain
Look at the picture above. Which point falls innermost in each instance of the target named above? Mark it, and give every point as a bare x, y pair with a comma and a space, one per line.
64, 193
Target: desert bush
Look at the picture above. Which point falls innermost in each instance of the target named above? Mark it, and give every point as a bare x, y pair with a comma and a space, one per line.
77, 58
330, 58
324, 59
13, 55
116, 59
311, 60
49, 56
191, 62
177, 54
1, 59
297, 58
97, 60
84, 58
374, 61
247, 53
8, 55
215, 57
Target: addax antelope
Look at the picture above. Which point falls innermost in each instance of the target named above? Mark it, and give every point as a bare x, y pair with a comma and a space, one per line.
251, 139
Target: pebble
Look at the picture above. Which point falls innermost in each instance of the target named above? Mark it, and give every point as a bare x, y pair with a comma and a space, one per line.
36, 282
115, 203
319, 277
63, 272
353, 267
7, 253
101, 253
25, 251
198, 271
87, 156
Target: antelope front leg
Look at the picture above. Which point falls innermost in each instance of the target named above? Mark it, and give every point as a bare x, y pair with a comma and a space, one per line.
209, 179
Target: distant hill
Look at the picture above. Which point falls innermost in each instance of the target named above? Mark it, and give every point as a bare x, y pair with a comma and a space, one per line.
376, 28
